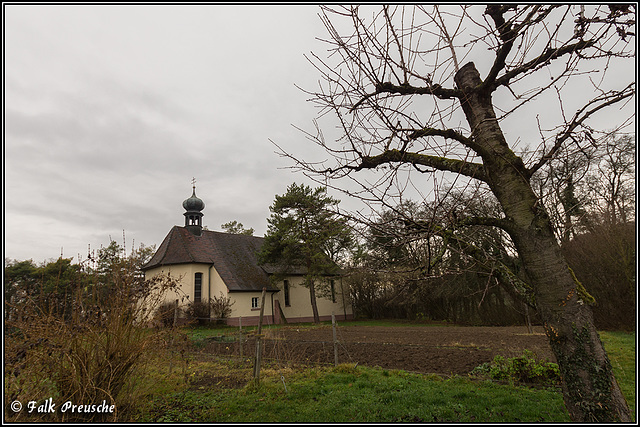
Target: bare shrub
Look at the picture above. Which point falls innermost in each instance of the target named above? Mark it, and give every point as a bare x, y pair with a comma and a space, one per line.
90, 356
166, 314
198, 311
220, 307
216, 309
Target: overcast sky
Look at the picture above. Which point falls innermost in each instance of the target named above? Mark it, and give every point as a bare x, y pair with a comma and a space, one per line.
111, 110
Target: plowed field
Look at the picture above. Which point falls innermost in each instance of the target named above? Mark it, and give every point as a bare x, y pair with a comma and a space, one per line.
427, 349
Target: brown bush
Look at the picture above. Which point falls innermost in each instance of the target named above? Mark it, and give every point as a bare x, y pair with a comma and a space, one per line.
88, 357
216, 309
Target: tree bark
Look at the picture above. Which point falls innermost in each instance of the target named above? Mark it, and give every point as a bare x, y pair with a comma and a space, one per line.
314, 305
591, 392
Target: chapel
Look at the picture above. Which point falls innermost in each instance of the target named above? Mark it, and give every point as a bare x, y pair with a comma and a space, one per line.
213, 264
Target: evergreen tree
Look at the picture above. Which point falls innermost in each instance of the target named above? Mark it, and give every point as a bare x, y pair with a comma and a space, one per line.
304, 232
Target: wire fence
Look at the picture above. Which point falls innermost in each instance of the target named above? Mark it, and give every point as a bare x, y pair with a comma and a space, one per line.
285, 347
284, 351
281, 351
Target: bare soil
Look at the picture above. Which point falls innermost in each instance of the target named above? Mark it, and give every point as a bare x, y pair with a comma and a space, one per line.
427, 349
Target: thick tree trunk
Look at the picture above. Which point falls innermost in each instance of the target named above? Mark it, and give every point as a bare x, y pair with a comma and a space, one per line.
314, 305
591, 393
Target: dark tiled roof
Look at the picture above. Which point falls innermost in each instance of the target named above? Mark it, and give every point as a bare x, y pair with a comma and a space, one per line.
234, 256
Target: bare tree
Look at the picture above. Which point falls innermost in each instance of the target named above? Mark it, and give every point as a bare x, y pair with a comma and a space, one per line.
611, 185
409, 103
594, 186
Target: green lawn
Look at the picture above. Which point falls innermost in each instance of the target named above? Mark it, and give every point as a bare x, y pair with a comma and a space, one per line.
349, 394
621, 348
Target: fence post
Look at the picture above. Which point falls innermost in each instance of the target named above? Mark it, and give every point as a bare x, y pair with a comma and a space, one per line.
256, 366
173, 335
175, 314
335, 339
240, 338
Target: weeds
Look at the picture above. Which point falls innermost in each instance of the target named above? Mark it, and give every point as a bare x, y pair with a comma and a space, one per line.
521, 369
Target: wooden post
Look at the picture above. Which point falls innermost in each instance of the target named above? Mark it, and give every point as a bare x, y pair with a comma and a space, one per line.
240, 338
173, 335
335, 339
526, 315
256, 366
175, 314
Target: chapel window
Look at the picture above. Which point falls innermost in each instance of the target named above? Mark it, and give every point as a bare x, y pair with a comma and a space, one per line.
197, 293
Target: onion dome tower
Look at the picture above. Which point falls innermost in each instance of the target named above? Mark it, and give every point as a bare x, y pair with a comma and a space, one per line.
193, 215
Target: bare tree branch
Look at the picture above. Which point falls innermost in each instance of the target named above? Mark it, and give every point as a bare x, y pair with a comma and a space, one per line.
472, 170
506, 277
579, 118
407, 89
544, 59
447, 133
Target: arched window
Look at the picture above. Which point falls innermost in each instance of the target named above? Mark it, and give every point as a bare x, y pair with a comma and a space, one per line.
197, 290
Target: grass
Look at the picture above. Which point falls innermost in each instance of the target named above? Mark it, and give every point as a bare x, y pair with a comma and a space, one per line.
362, 394
621, 348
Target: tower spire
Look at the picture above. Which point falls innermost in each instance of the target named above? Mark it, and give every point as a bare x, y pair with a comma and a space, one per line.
193, 215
